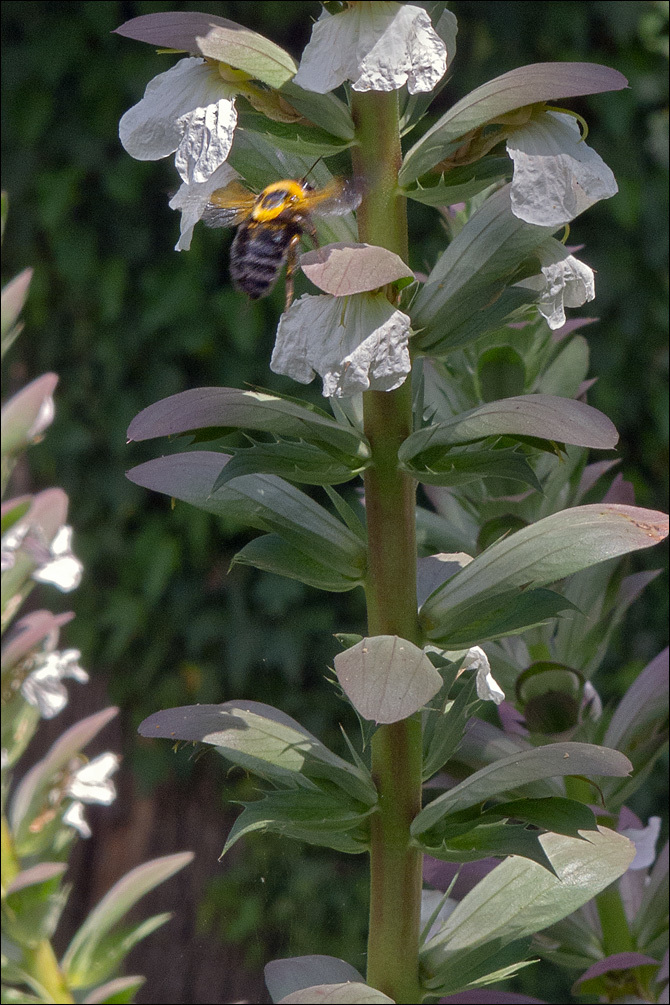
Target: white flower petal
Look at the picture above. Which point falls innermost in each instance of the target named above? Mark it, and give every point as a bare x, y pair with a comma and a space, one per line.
645, 843
565, 282
91, 783
206, 142
64, 570
556, 175
193, 199
74, 817
379, 46
353, 343
188, 109
44, 689
487, 688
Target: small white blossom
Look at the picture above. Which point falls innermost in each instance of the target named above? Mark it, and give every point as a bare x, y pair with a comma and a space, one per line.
564, 282
74, 817
62, 568
192, 200
487, 688
556, 175
190, 111
379, 46
353, 343
44, 689
644, 840
92, 783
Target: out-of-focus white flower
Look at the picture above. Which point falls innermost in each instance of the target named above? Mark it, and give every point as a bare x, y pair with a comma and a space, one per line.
74, 817
556, 175
43, 687
564, 282
189, 111
379, 46
353, 343
62, 568
487, 688
192, 200
644, 840
91, 783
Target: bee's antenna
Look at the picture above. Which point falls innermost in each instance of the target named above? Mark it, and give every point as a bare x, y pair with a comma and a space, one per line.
308, 173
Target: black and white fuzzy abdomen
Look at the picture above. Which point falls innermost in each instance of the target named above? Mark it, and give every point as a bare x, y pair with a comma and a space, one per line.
257, 254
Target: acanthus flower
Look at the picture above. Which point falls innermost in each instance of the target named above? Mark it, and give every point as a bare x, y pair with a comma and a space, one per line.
354, 343
90, 783
43, 687
189, 111
556, 175
488, 689
378, 46
564, 281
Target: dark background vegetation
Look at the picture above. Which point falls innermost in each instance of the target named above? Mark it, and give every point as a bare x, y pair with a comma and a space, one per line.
125, 321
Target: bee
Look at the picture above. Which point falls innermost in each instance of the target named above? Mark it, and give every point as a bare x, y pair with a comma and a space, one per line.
271, 224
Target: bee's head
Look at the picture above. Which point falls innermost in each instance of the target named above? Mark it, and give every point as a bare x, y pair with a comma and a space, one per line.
277, 198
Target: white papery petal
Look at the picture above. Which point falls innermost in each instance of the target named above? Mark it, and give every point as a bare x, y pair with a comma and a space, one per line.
64, 570
353, 343
565, 282
74, 817
206, 142
487, 688
91, 783
192, 200
189, 94
379, 46
44, 689
556, 175
645, 843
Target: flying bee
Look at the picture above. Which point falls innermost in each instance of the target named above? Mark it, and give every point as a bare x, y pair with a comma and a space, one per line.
271, 224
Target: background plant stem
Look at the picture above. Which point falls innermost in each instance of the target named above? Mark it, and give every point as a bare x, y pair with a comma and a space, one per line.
395, 867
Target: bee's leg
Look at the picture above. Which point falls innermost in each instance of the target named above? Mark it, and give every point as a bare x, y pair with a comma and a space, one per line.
291, 265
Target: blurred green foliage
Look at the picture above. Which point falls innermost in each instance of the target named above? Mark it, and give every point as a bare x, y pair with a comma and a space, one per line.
125, 321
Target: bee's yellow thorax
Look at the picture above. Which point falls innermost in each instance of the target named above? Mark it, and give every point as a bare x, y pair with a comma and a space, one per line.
276, 198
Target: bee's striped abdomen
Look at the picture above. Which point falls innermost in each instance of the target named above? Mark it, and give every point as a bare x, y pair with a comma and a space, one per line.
257, 254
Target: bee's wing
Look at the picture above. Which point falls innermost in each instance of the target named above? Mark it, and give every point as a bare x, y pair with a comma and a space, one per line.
229, 206
338, 197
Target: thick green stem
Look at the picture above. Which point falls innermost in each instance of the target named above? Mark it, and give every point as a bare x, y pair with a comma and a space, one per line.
395, 866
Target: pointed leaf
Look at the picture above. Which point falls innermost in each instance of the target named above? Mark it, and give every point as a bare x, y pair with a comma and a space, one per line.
553, 813
443, 732
262, 740
550, 549
387, 678
507, 773
283, 977
461, 468
262, 501
524, 85
318, 818
81, 953
13, 298
27, 633
498, 616
271, 554
519, 898
536, 415
642, 703
460, 183
296, 462
470, 277
216, 38
228, 407
27, 413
